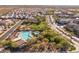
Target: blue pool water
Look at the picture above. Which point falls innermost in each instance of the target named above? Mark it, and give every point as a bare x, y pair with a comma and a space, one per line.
26, 35
36, 33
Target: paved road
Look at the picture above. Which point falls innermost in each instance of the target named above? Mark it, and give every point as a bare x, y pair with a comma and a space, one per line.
6, 34
51, 23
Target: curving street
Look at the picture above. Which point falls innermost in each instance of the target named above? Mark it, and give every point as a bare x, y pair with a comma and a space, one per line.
6, 34
53, 26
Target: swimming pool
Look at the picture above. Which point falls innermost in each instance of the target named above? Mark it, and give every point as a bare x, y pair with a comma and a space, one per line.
25, 35
36, 33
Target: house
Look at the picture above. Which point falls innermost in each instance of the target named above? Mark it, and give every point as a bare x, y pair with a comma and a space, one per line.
73, 26
21, 44
63, 21
76, 21
1, 48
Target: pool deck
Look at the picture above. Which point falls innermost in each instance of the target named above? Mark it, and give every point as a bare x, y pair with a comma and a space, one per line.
20, 35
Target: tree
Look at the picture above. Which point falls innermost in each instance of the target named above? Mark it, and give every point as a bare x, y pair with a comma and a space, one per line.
14, 45
5, 42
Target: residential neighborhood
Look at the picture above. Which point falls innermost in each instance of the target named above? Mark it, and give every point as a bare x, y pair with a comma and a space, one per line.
39, 29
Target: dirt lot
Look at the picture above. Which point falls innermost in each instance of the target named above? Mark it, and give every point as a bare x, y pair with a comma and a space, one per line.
5, 10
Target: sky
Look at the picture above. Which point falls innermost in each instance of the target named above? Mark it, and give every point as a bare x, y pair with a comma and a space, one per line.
39, 2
